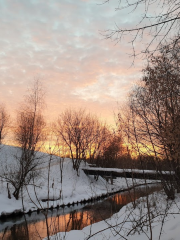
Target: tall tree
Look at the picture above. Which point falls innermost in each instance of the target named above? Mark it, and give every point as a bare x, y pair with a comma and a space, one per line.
155, 109
29, 135
4, 122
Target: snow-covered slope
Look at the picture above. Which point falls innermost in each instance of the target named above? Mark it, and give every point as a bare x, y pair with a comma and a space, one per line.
73, 188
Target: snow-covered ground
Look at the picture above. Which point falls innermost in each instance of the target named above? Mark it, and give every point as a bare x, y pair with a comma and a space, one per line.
72, 189
124, 170
127, 223
75, 188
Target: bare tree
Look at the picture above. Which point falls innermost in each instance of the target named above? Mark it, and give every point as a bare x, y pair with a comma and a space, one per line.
82, 133
159, 21
29, 135
4, 122
154, 126
99, 141
110, 150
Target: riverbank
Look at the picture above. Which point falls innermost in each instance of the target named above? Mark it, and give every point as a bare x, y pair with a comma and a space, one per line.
70, 190
83, 188
132, 223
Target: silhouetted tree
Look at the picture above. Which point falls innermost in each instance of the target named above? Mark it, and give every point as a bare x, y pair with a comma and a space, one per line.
159, 21
154, 126
29, 136
111, 152
82, 133
4, 122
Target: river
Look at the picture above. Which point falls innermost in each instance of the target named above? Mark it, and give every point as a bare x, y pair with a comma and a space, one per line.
68, 218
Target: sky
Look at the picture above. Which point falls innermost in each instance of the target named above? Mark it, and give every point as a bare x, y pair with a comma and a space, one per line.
62, 43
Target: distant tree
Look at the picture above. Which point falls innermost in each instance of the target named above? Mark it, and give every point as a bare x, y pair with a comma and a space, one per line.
29, 135
100, 139
82, 134
4, 122
111, 151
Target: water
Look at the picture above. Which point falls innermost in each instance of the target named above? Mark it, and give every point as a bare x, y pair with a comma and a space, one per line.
72, 218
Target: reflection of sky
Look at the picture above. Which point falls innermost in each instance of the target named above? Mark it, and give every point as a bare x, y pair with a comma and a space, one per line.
69, 219
61, 42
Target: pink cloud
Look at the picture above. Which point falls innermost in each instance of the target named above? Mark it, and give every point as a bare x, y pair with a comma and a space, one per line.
61, 42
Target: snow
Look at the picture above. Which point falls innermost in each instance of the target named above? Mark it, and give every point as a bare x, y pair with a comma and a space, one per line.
72, 189
124, 170
125, 220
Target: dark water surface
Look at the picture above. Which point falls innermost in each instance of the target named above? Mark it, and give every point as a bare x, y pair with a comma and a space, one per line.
72, 218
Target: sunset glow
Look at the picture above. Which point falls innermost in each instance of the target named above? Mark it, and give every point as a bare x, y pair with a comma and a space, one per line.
61, 42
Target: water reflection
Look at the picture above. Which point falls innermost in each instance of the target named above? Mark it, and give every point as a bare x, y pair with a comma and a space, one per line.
75, 219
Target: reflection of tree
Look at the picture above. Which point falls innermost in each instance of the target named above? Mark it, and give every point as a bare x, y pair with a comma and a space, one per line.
77, 220
17, 232
4, 233
120, 200
58, 224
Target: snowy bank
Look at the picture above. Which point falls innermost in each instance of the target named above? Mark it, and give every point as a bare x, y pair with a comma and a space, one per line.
126, 223
71, 189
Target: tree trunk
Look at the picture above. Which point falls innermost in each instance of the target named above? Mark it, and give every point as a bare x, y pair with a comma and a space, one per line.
16, 193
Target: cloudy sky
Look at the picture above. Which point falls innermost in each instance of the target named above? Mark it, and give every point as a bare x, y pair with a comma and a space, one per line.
60, 41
